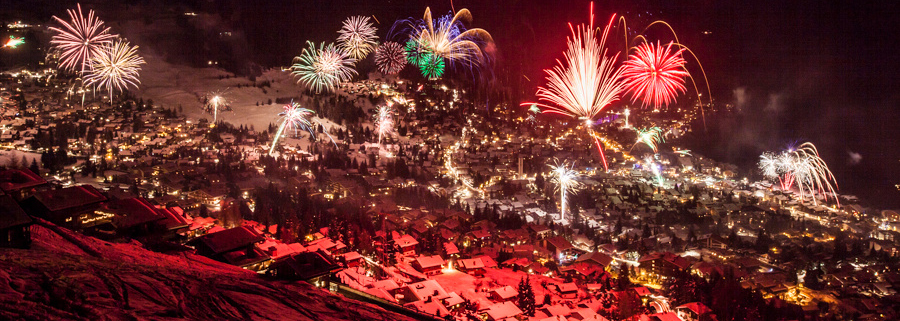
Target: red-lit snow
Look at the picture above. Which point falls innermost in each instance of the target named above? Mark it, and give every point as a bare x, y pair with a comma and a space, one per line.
69, 276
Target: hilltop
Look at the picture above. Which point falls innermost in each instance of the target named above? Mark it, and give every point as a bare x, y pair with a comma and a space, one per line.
69, 276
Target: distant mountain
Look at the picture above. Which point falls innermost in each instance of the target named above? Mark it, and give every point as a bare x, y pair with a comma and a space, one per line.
69, 276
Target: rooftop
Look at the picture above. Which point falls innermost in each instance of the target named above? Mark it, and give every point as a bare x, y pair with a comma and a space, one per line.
70, 197
12, 215
230, 239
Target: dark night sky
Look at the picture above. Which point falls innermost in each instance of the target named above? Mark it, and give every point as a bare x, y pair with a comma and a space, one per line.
818, 71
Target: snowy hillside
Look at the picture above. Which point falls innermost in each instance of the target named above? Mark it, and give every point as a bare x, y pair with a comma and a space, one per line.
73, 277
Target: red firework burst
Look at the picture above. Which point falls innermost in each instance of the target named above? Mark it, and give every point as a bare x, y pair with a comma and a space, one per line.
80, 40
654, 74
390, 58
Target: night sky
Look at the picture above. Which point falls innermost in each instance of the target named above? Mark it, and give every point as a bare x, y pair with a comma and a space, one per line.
796, 71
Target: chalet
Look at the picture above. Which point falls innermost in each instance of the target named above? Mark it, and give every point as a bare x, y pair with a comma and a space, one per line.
567, 290
423, 291
514, 237
175, 222
430, 306
692, 311
478, 236
21, 183
407, 244
539, 231
450, 250
559, 246
134, 217
14, 224
473, 267
713, 241
664, 264
664, 316
505, 311
488, 261
236, 246
595, 258
503, 294
429, 265
352, 259
312, 267
71, 207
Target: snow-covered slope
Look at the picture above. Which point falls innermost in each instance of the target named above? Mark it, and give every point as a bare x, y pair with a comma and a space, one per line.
69, 276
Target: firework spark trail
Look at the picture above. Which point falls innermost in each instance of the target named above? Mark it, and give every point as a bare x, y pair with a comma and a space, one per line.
390, 58
14, 42
216, 100
801, 167
565, 178
116, 67
814, 173
384, 120
654, 74
324, 67
655, 168
586, 83
357, 37
295, 118
682, 152
81, 40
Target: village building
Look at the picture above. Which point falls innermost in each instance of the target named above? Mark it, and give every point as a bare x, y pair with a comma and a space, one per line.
15, 225
236, 246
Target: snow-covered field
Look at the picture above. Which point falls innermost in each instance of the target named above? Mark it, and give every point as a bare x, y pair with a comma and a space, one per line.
10, 157
171, 85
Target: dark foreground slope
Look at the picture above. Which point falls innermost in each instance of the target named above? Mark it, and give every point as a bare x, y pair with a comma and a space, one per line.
72, 277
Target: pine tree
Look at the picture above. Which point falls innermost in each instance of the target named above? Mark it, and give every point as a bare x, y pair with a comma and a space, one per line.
34, 166
526, 297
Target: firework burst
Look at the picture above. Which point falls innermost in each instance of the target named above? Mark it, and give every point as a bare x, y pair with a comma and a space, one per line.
323, 68
384, 120
357, 37
565, 177
586, 83
216, 101
650, 137
414, 53
81, 40
431, 66
390, 58
13, 42
115, 68
295, 119
654, 74
447, 38
801, 167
